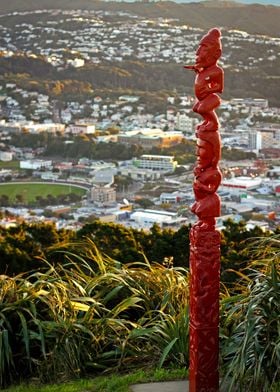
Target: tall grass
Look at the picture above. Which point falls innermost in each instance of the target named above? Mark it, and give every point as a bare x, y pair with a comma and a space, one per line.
91, 314
251, 322
87, 315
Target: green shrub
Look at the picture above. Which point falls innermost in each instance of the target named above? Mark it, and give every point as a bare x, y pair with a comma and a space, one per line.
251, 322
92, 314
83, 317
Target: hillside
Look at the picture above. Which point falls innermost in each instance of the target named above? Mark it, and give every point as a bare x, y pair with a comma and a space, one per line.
255, 19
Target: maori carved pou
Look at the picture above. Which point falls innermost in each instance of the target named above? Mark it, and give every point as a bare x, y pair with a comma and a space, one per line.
205, 240
208, 82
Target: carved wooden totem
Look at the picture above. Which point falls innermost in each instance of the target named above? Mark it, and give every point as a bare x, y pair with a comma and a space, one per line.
204, 239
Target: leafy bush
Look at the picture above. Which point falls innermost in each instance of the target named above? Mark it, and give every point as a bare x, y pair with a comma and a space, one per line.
82, 317
251, 350
92, 314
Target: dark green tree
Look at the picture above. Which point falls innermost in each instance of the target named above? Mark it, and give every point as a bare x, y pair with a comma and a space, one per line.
234, 248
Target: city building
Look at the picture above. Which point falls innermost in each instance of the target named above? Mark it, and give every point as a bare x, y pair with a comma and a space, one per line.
270, 137
174, 197
259, 103
184, 123
255, 141
6, 156
138, 174
43, 127
103, 195
240, 185
150, 137
146, 218
163, 163
35, 164
274, 172
80, 128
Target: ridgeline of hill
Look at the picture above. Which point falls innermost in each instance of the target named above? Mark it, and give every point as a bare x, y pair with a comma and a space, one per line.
255, 18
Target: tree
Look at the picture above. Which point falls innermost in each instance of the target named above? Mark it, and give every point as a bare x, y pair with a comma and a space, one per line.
145, 203
18, 251
4, 200
234, 248
114, 240
19, 199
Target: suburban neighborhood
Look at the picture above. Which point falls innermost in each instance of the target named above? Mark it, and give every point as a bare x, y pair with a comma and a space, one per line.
118, 190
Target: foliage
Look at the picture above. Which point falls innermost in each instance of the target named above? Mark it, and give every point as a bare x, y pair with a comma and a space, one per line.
145, 203
84, 317
54, 145
81, 146
234, 154
183, 151
235, 245
24, 246
251, 348
127, 245
91, 314
20, 248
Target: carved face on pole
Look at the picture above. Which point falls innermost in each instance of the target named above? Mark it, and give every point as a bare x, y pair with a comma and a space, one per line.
209, 49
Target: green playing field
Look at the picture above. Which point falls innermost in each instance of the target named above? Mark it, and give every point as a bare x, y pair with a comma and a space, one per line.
31, 190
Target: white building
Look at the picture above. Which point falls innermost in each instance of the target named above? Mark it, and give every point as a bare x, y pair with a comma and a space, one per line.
174, 197
259, 103
44, 127
6, 156
138, 174
129, 98
77, 129
146, 218
255, 141
163, 163
184, 123
66, 116
76, 63
35, 164
49, 176
239, 185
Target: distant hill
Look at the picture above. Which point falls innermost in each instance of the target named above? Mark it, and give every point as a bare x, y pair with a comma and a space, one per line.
264, 2
254, 18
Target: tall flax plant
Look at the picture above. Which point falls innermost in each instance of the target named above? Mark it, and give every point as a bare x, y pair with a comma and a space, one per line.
84, 335
156, 326
21, 331
161, 334
251, 321
89, 314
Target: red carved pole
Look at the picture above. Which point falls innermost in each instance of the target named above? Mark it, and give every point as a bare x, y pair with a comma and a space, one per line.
204, 238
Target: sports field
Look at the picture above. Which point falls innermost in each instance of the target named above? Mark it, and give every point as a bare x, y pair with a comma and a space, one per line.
13, 165
30, 191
